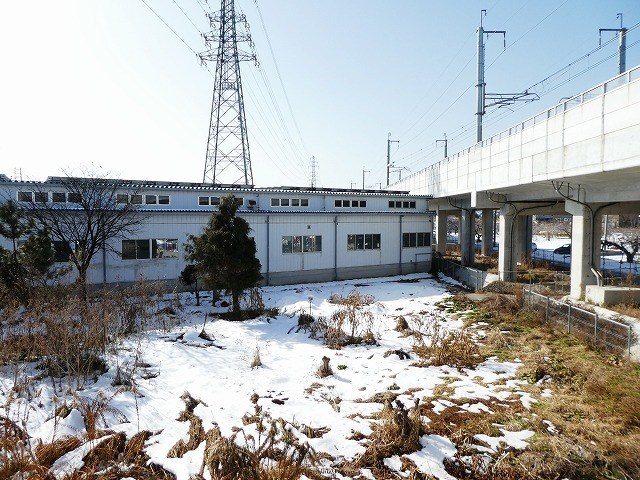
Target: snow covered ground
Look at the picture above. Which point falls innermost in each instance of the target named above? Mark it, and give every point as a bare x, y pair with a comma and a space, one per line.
166, 364
612, 260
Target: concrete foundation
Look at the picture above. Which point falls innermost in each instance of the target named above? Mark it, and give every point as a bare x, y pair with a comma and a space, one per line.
612, 295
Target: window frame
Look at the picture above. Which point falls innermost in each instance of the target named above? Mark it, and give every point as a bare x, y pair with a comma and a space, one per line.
293, 244
140, 246
25, 196
364, 241
416, 239
56, 196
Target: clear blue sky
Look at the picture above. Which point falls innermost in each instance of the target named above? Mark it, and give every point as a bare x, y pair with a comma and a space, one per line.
105, 85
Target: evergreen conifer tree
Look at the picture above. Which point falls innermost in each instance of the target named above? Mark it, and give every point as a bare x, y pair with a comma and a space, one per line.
26, 263
225, 255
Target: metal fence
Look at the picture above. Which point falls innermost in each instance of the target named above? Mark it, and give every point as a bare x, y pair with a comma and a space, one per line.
470, 277
589, 326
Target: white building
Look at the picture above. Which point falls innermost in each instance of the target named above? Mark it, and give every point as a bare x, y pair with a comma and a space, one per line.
302, 235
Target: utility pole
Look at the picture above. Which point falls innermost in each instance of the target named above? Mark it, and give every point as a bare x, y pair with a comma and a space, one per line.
622, 44
389, 165
228, 160
499, 99
363, 172
445, 141
314, 173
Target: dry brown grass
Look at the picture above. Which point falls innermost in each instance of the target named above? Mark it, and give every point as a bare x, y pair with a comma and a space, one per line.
397, 432
595, 406
456, 348
48, 453
83, 331
276, 454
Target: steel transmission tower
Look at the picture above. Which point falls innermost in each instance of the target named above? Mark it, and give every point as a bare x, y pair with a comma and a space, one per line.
228, 160
313, 180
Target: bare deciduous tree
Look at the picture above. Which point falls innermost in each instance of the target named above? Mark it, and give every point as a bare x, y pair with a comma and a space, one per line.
95, 212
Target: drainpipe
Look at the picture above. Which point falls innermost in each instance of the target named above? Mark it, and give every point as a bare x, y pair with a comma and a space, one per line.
268, 250
400, 249
335, 247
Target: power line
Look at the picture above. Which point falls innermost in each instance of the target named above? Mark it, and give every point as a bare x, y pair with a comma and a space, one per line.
169, 27
275, 63
185, 14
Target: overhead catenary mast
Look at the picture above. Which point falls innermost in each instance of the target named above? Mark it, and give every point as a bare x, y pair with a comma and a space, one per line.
622, 44
494, 99
228, 160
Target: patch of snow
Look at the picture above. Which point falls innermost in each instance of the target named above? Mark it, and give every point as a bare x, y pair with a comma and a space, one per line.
430, 459
509, 439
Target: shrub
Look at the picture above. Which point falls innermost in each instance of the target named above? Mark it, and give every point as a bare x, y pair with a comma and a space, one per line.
455, 348
349, 324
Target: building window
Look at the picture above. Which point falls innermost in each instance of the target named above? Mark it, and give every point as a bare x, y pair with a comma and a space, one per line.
366, 241
25, 196
122, 198
203, 200
312, 243
350, 203
289, 202
402, 204
58, 197
163, 199
301, 243
74, 198
61, 251
215, 201
150, 199
42, 197
239, 201
164, 248
136, 249
410, 240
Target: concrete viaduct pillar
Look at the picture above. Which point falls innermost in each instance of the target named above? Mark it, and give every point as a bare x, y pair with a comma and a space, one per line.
586, 232
487, 231
515, 241
467, 237
441, 231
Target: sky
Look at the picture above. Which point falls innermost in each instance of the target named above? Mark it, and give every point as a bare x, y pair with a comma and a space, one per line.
115, 87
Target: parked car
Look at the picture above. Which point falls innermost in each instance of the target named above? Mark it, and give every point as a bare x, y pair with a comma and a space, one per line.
563, 250
534, 247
